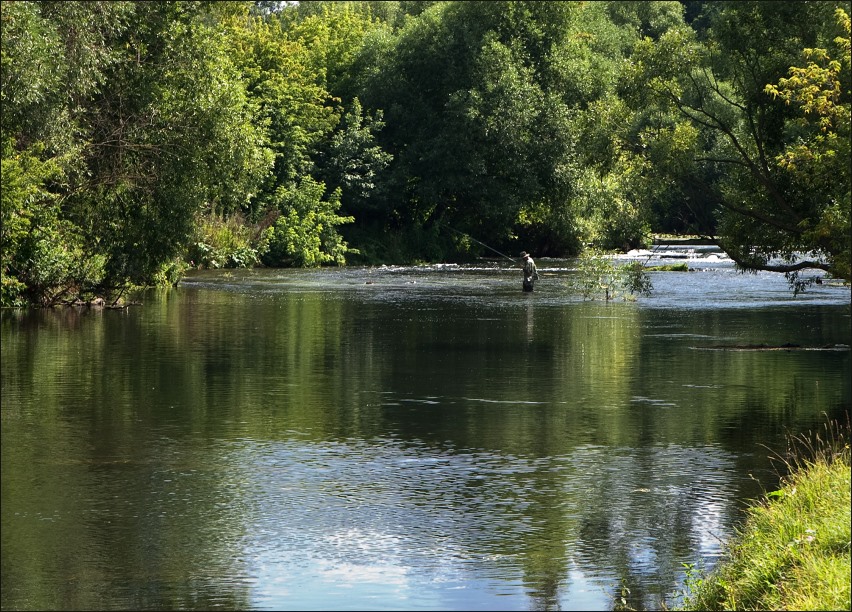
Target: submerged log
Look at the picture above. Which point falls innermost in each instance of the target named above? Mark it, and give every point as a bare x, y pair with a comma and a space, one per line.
768, 347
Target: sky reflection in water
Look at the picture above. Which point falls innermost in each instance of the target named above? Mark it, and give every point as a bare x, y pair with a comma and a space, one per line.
412, 438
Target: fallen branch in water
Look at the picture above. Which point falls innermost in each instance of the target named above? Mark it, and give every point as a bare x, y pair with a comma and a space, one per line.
766, 347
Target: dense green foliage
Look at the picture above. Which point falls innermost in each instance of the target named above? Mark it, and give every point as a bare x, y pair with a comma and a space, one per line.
775, 136
141, 137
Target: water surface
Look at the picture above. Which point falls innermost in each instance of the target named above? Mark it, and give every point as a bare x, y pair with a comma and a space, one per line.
413, 438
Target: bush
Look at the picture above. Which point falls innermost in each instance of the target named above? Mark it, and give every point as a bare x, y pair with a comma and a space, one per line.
305, 235
227, 243
599, 275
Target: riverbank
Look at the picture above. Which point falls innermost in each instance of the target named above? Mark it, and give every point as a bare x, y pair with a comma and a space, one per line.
793, 552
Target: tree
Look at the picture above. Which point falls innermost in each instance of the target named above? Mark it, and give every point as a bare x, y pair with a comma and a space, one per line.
474, 131
293, 106
43, 257
353, 162
331, 35
775, 213
348, 156
170, 134
48, 74
604, 191
305, 233
505, 121
286, 81
818, 161
153, 127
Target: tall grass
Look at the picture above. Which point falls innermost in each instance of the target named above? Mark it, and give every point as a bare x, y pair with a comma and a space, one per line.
227, 243
793, 551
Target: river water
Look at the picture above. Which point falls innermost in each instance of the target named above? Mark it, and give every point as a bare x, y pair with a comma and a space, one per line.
411, 438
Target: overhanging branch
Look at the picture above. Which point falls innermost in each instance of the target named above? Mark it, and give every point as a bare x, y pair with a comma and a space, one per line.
767, 267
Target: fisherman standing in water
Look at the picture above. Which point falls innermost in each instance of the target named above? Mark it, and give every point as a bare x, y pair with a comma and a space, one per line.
530, 271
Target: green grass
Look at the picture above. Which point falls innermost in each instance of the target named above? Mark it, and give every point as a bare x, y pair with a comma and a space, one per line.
682, 267
793, 552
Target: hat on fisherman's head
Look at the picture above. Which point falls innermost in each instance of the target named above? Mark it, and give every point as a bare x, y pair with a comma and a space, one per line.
524, 254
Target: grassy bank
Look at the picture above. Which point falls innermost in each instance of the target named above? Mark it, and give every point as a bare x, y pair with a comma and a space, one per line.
793, 551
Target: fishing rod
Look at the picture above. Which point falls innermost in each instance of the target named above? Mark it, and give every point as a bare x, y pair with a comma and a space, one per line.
483, 244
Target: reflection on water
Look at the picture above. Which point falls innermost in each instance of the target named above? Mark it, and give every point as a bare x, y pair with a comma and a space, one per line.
400, 438
452, 530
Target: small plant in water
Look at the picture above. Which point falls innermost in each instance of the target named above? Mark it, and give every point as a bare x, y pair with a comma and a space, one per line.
621, 602
599, 276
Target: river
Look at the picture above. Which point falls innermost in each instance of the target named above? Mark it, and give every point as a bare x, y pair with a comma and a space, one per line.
402, 438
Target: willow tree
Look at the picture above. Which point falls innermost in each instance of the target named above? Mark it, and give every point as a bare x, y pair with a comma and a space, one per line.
172, 134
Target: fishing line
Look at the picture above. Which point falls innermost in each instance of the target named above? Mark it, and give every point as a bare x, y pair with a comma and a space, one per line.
483, 244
